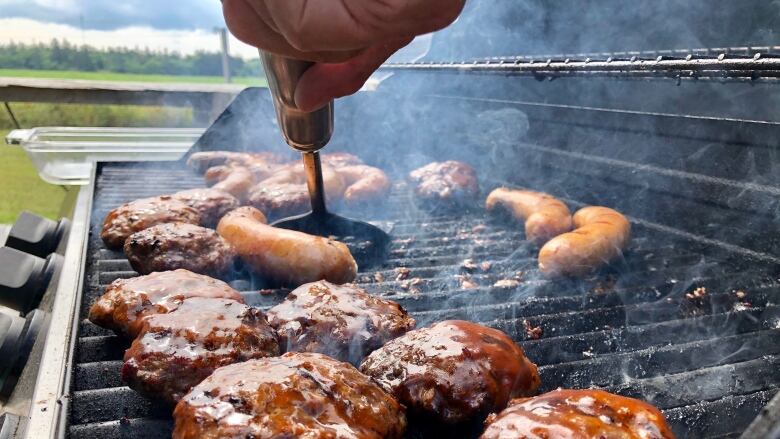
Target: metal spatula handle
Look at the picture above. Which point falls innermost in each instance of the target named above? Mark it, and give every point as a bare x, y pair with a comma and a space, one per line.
306, 132
313, 167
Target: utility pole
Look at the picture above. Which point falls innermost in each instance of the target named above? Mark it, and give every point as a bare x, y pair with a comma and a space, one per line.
223, 37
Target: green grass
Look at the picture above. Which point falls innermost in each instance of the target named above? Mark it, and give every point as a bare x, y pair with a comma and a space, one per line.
32, 115
111, 76
20, 186
21, 189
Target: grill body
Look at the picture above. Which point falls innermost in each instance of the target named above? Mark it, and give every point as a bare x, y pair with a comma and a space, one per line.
701, 191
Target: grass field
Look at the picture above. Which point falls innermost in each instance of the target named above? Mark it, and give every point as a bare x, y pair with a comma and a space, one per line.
21, 189
110, 76
32, 115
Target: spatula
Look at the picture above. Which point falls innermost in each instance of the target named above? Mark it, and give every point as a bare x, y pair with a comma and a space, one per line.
308, 133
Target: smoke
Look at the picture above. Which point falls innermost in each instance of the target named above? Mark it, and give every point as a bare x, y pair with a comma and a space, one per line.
701, 189
538, 27
695, 166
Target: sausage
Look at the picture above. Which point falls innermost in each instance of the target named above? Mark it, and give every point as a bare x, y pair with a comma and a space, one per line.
600, 236
294, 173
201, 161
285, 256
545, 216
364, 183
235, 180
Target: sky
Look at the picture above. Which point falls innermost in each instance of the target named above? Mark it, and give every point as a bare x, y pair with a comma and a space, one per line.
184, 26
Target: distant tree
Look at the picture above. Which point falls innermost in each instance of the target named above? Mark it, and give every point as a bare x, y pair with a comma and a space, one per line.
62, 55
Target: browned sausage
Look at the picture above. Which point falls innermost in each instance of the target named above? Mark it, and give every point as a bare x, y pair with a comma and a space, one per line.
201, 161
545, 216
364, 183
600, 236
285, 256
233, 179
294, 173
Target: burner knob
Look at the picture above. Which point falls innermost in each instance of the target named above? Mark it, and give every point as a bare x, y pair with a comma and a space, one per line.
17, 337
36, 235
24, 278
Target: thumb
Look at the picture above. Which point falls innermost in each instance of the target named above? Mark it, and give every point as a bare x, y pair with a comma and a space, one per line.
323, 82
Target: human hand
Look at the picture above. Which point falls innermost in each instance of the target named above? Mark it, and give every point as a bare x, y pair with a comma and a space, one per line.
348, 39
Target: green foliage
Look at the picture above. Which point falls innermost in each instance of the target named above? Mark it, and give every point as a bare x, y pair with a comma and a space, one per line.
133, 77
36, 115
61, 55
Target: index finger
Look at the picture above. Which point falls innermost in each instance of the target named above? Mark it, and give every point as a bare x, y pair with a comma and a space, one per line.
343, 25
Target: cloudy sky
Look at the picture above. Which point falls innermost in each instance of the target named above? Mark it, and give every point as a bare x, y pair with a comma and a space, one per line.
184, 26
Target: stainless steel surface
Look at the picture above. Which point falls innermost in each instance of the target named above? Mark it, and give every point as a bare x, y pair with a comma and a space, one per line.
16, 137
5, 229
49, 401
313, 167
66, 156
306, 132
725, 65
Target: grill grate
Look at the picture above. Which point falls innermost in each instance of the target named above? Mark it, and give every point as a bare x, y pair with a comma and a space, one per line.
719, 64
710, 364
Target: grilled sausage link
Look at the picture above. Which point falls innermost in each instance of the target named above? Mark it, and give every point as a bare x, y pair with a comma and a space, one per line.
364, 183
294, 173
235, 180
545, 216
600, 236
285, 256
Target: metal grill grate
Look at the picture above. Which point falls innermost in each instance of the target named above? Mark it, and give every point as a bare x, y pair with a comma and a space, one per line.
710, 364
729, 63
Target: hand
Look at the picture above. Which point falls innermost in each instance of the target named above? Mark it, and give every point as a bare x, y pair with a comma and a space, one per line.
348, 39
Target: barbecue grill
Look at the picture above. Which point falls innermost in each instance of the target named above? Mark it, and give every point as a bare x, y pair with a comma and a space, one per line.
684, 142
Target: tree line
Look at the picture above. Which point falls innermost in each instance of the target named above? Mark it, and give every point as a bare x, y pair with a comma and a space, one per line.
62, 55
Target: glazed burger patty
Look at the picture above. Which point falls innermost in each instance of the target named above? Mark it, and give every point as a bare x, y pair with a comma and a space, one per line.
578, 414
127, 301
297, 395
177, 350
280, 200
209, 202
141, 214
452, 372
341, 321
449, 182
171, 246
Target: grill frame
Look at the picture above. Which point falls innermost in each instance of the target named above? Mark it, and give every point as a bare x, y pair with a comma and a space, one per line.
84, 398
698, 414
